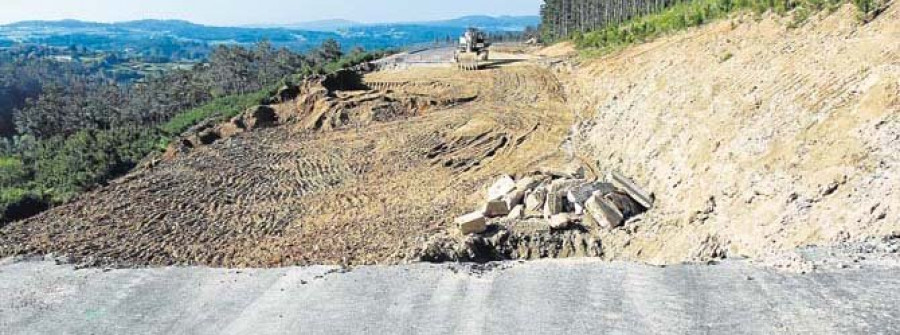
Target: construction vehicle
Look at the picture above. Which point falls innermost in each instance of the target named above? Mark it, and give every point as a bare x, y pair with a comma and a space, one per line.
472, 50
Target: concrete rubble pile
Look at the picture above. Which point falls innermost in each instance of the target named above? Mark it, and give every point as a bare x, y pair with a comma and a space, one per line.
562, 200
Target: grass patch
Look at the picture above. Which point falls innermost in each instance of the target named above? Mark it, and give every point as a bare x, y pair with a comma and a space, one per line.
218, 109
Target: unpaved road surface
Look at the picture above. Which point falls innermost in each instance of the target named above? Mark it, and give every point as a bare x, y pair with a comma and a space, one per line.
542, 297
354, 176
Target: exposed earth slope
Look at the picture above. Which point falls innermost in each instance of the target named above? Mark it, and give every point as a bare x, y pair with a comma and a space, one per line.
754, 137
351, 176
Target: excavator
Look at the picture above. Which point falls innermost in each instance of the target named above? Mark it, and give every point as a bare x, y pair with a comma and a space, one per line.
473, 49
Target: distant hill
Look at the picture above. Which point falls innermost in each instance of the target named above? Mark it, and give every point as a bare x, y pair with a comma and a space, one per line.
321, 25
498, 23
163, 36
491, 23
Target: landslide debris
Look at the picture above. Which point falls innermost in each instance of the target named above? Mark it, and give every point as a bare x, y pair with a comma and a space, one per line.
562, 217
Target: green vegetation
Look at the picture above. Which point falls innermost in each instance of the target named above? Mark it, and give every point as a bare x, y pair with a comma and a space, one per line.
218, 109
39, 171
682, 15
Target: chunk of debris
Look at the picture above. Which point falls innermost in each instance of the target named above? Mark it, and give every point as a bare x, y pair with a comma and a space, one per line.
556, 196
517, 212
495, 208
561, 221
514, 198
472, 223
625, 204
602, 212
501, 187
629, 186
580, 193
534, 201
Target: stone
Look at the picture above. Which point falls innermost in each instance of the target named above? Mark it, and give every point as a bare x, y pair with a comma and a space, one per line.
602, 212
630, 187
495, 208
625, 204
556, 196
534, 201
501, 187
472, 223
561, 221
579, 194
514, 198
517, 213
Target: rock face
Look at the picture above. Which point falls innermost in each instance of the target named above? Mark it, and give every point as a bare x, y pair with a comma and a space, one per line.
472, 223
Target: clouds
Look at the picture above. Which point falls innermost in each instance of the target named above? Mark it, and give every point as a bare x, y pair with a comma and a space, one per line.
237, 12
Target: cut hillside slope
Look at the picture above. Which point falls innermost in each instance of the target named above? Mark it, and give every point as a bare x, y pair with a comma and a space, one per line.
756, 138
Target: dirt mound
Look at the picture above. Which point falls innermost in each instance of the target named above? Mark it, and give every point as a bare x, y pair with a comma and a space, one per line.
757, 138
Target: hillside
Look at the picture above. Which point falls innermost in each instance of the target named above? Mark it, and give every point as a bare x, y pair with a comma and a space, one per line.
754, 138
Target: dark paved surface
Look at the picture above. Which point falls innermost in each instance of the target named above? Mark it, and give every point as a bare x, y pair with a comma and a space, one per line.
546, 297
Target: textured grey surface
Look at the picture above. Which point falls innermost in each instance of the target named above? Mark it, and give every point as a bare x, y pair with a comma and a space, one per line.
545, 297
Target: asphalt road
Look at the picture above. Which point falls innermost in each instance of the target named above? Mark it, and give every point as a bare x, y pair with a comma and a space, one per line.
546, 297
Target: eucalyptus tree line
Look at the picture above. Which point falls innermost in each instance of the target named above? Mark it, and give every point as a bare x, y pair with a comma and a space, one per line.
562, 18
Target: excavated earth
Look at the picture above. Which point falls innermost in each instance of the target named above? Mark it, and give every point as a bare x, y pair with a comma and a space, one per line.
755, 137
346, 173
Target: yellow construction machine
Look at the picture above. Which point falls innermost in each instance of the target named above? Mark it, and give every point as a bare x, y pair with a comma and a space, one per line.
472, 50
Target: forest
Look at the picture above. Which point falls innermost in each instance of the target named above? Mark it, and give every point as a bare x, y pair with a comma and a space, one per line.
608, 24
69, 126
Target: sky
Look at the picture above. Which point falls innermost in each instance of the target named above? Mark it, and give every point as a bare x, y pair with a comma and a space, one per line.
246, 12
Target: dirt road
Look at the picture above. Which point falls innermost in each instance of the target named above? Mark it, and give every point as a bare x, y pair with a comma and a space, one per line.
354, 176
544, 297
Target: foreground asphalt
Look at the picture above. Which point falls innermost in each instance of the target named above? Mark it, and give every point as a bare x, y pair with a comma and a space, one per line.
545, 297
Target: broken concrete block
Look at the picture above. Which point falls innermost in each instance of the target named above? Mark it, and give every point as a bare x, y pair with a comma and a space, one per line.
472, 223
580, 193
600, 211
514, 198
495, 208
534, 201
501, 187
628, 185
561, 221
556, 201
517, 212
